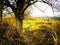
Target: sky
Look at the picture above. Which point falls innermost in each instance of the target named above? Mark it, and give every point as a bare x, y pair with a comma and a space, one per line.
40, 9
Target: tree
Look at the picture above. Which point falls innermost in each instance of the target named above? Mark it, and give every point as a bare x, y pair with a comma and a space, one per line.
22, 5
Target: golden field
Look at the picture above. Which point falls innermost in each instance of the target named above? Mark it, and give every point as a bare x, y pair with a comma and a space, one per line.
33, 28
